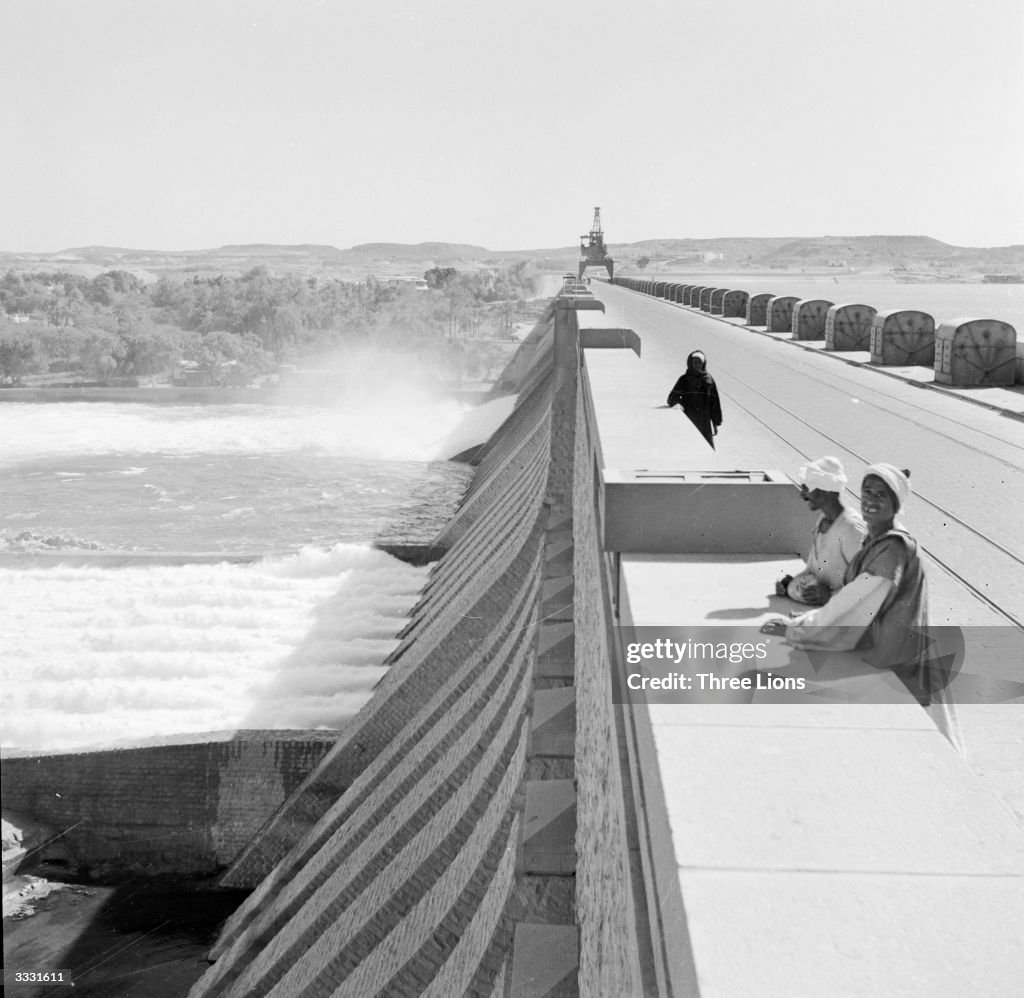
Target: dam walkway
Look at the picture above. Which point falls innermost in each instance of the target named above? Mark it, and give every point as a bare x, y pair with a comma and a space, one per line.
810, 846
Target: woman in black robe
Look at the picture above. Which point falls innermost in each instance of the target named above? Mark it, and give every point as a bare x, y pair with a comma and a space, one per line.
697, 393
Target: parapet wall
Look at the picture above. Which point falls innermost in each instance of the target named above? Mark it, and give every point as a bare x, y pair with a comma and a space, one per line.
609, 950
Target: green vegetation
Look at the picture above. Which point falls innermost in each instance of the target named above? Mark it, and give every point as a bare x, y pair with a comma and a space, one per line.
115, 329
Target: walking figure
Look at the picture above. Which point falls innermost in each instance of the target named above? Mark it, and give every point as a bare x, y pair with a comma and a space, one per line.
697, 393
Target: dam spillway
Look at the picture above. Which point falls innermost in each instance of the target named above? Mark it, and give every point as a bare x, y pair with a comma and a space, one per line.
497, 821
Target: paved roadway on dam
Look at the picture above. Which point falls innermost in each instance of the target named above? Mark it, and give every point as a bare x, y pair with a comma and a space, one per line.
784, 405
967, 461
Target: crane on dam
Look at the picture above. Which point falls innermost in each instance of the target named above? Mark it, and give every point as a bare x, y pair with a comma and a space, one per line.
592, 249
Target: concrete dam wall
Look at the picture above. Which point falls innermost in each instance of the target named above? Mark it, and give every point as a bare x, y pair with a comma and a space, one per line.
466, 833
434, 850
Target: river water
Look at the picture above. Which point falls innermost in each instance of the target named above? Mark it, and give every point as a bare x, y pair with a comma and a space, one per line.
291, 636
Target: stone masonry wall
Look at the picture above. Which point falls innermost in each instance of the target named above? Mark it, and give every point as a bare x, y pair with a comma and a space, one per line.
185, 808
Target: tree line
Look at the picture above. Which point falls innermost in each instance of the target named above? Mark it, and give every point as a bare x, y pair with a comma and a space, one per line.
116, 326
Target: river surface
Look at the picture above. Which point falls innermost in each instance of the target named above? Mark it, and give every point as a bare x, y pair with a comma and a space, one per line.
293, 636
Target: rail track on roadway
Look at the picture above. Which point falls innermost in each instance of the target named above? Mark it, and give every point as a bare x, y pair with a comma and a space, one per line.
918, 496
969, 477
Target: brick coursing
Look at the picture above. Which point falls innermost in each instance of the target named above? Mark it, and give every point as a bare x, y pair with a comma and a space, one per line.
185, 809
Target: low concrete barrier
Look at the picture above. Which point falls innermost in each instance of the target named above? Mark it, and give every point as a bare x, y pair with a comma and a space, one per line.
848, 327
688, 512
705, 299
779, 313
975, 352
809, 316
757, 308
903, 336
734, 304
716, 300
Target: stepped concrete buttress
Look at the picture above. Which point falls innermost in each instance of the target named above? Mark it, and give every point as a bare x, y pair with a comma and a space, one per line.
459, 838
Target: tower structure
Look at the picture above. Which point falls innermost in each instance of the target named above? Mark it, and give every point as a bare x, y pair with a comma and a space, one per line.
592, 248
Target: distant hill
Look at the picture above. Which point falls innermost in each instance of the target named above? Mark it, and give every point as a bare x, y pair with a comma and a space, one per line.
420, 251
915, 255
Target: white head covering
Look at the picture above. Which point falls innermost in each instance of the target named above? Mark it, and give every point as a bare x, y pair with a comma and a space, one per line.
897, 480
826, 474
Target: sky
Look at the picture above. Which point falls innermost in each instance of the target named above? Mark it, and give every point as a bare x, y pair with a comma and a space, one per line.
191, 124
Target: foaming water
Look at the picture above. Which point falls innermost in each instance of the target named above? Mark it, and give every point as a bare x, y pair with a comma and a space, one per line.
291, 642
399, 427
291, 632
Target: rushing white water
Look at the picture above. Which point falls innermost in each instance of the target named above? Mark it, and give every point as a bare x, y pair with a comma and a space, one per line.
291, 642
95, 655
406, 428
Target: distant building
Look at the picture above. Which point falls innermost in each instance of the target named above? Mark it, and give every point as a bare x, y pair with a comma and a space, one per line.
418, 283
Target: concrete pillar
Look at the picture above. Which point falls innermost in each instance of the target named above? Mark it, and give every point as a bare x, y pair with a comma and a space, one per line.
757, 309
975, 352
716, 300
809, 316
734, 304
779, 313
848, 327
903, 336
705, 299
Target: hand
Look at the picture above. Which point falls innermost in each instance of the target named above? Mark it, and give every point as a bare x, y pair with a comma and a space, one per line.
818, 595
777, 625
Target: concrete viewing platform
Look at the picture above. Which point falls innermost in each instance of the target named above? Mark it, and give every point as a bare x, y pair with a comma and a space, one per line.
819, 841
819, 848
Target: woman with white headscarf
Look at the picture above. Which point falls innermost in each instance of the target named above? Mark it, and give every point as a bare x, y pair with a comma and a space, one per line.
837, 537
882, 609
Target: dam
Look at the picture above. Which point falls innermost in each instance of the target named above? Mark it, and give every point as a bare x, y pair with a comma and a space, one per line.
505, 817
